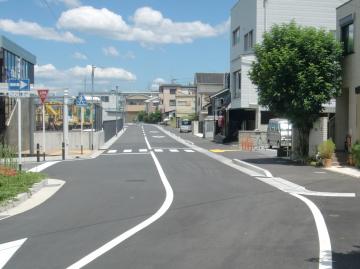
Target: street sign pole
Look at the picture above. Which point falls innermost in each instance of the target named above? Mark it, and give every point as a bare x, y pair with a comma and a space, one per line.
19, 134
43, 130
65, 124
82, 128
116, 112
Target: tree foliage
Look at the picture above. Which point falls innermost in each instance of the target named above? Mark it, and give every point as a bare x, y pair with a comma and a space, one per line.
153, 117
297, 71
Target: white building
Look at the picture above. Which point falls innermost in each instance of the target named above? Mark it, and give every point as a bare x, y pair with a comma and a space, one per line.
249, 20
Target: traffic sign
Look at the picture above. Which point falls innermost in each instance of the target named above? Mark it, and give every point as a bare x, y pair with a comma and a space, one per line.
42, 95
80, 101
19, 85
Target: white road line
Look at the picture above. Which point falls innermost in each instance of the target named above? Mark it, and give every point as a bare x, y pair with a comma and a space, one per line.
147, 142
7, 250
158, 150
117, 240
188, 150
127, 150
325, 256
112, 151
173, 150
143, 150
42, 167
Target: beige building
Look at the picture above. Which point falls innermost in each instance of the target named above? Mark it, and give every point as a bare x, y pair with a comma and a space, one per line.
152, 104
167, 96
348, 104
185, 102
135, 103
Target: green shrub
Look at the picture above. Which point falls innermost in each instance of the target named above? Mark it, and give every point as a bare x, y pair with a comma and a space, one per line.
326, 149
355, 150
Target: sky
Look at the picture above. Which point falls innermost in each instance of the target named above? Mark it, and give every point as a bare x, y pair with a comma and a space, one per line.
134, 44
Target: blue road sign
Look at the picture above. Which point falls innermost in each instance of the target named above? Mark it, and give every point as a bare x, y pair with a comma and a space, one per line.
80, 101
19, 85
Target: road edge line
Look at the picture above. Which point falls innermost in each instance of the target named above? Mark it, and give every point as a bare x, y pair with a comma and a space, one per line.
325, 254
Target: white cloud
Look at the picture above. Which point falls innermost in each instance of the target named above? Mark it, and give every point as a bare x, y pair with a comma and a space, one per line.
79, 56
111, 51
148, 26
129, 55
35, 30
73, 78
156, 83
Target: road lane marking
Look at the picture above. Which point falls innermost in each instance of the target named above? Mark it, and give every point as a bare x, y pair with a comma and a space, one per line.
143, 150
127, 150
325, 256
188, 150
158, 150
158, 136
119, 239
7, 250
112, 151
173, 150
43, 166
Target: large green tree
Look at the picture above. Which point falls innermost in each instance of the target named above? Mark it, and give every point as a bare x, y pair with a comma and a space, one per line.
297, 70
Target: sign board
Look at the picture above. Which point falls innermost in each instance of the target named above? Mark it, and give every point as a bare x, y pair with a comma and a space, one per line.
19, 85
42, 95
18, 94
80, 101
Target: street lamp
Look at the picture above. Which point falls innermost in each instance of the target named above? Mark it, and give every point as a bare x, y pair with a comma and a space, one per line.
92, 106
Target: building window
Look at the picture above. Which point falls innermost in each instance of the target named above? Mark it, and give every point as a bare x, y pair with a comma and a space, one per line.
172, 91
236, 36
104, 98
347, 37
248, 41
238, 80
172, 102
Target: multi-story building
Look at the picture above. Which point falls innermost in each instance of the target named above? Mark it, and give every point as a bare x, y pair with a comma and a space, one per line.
347, 120
152, 104
207, 84
185, 101
167, 96
135, 103
15, 62
249, 20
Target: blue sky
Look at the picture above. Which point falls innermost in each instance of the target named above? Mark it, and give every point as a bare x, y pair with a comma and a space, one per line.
134, 44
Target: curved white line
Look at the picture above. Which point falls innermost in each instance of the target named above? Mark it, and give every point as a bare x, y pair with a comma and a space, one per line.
117, 240
325, 254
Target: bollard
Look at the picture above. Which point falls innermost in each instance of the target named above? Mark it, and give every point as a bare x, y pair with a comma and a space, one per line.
44, 156
82, 150
63, 150
38, 152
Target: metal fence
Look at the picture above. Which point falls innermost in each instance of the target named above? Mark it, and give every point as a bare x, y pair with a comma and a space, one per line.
109, 128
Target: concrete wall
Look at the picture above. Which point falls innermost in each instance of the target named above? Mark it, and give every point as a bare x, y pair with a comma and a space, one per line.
54, 140
209, 128
257, 139
318, 134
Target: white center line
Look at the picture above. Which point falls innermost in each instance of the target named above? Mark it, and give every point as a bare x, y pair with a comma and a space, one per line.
112, 151
158, 150
174, 150
127, 150
143, 150
188, 150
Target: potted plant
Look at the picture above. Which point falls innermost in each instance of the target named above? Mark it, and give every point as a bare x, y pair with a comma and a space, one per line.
326, 150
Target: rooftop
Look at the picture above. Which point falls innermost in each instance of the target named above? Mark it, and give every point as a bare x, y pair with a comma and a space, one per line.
209, 78
17, 50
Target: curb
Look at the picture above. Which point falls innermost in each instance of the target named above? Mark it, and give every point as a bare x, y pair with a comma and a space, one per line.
22, 197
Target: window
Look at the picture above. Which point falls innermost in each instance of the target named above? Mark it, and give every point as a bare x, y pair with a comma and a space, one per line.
172, 102
238, 80
347, 37
248, 41
172, 91
236, 36
104, 98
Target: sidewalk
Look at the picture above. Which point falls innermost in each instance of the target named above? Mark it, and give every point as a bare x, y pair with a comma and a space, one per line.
336, 179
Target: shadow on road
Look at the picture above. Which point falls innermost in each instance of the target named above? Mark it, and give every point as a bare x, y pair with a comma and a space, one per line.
344, 260
276, 161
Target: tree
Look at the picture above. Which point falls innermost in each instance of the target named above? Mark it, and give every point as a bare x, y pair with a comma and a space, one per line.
297, 71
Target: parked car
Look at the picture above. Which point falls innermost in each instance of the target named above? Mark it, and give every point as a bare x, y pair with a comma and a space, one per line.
185, 125
279, 133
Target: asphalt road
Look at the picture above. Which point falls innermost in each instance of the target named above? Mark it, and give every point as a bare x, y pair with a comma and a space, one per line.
219, 217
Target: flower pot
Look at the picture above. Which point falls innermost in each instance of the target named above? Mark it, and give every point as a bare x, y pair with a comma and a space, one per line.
327, 162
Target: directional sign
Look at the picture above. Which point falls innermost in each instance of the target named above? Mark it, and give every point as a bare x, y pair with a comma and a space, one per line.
80, 101
24, 85
42, 95
19, 85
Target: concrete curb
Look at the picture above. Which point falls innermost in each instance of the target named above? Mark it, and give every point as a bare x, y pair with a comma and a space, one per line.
22, 197
254, 168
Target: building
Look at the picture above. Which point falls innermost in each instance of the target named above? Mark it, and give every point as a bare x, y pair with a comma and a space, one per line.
152, 104
16, 62
347, 120
185, 102
249, 20
167, 96
135, 103
207, 84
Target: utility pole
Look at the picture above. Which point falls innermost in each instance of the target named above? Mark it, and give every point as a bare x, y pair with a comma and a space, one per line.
92, 114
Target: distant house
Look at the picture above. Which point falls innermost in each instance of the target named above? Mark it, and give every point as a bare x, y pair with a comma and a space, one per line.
348, 104
185, 102
167, 96
152, 104
249, 20
135, 103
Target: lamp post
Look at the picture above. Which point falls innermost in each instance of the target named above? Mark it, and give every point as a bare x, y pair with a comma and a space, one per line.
92, 114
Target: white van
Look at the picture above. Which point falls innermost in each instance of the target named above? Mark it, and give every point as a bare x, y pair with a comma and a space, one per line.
185, 125
279, 133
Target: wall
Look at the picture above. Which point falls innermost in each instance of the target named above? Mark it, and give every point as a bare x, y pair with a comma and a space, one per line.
318, 134
54, 140
254, 139
109, 128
